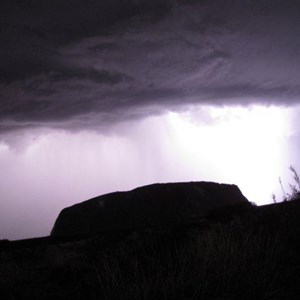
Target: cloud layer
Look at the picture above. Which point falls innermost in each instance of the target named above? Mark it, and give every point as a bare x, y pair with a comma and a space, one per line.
84, 64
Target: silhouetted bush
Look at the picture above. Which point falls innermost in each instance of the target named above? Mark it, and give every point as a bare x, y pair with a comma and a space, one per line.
294, 192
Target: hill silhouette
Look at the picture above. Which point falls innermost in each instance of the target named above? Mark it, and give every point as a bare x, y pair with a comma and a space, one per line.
147, 206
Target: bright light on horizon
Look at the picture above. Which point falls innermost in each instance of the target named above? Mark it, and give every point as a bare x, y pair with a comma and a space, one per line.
242, 145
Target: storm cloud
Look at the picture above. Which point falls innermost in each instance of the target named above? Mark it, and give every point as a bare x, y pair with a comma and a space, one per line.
105, 95
81, 64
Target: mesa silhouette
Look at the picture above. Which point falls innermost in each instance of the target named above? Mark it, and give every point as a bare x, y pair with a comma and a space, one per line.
150, 205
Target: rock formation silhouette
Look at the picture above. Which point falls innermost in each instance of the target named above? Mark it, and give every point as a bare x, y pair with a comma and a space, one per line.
150, 205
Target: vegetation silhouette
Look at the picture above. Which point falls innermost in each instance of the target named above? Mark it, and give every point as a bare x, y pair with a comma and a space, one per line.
294, 192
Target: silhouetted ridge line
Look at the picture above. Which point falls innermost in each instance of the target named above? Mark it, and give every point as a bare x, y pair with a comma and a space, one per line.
147, 206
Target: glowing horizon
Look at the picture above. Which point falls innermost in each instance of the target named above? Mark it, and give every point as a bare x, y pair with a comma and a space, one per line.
239, 142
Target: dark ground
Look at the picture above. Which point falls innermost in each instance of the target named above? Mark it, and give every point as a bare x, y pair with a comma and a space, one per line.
248, 254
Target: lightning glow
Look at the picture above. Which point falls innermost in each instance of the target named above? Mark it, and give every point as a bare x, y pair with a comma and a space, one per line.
241, 145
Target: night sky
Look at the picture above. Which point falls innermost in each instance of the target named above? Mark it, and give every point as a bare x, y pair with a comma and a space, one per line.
105, 95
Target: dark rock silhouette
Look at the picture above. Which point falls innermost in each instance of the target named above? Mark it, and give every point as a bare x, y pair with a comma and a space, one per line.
150, 205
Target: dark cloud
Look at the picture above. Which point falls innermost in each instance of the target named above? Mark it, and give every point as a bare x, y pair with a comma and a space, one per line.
32, 30
73, 63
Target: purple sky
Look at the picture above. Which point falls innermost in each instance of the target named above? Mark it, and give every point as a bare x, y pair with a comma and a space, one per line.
98, 96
